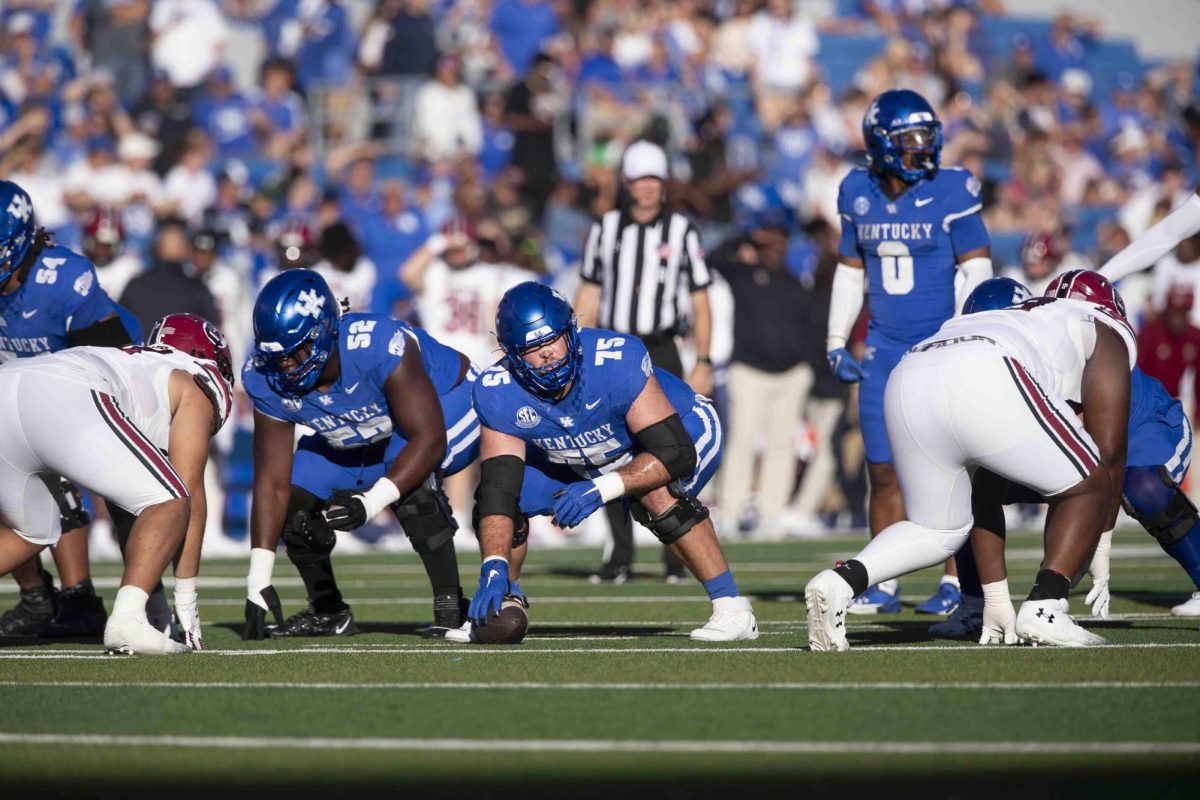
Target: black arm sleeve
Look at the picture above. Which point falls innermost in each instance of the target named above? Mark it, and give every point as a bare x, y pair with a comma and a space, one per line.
108, 332
667, 441
499, 491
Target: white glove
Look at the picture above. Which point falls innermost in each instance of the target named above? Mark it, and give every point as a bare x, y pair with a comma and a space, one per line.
188, 614
999, 619
1098, 597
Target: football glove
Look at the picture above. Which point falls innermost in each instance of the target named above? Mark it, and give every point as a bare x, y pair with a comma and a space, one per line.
346, 510
258, 603
187, 613
1098, 598
493, 586
845, 366
999, 619
575, 503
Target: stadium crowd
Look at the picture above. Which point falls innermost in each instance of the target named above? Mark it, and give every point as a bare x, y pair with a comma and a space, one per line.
193, 148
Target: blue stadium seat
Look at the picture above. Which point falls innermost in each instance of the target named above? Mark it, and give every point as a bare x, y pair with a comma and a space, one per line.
842, 55
1001, 32
1107, 59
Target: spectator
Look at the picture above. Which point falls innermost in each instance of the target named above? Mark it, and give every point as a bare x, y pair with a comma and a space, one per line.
189, 187
447, 123
350, 275
230, 292
389, 238
116, 34
278, 112
1169, 347
162, 116
409, 48
531, 113
187, 42
225, 114
103, 244
783, 44
521, 28
172, 284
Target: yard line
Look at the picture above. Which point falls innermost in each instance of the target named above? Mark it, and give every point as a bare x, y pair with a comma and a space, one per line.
610, 745
481, 650
580, 686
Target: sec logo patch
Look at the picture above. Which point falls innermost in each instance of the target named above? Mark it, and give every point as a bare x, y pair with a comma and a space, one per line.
527, 417
861, 205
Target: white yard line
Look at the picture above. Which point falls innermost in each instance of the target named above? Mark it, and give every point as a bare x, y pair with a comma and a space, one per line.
610, 745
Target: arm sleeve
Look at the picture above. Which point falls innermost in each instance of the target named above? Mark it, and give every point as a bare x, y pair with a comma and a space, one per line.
1146, 250
693, 255
591, 269
845, 304
848, 243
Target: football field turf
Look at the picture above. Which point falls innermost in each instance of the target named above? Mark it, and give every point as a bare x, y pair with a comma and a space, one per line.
607, 689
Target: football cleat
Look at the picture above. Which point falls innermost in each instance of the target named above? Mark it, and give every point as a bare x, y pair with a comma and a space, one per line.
609, 572
463, 634
1047, 622
876, 601
309, 623
732, 620
131, 634
32, 612
964, 622
80, 613
158, 613
449, 613
943, 601
1188, 608
828, 598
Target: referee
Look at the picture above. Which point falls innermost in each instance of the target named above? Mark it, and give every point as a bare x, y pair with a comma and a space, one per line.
643, 270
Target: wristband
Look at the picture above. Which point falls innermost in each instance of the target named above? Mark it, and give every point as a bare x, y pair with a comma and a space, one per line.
704, 360
380, 496
610, 486
262, 564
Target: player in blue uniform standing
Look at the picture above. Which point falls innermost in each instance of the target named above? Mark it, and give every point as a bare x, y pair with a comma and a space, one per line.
572, 420
910, 229
50, 300
1160, 449
391, 411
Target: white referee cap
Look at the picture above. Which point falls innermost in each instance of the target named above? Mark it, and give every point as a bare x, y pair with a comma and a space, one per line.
644, 160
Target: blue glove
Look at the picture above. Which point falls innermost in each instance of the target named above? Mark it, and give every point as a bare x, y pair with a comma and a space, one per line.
493, 586
576, 503
515, 590
844, 365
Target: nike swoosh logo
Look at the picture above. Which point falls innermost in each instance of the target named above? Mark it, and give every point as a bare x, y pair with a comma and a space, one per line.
591, 405
492, 574
342, 628
28, 314
923, 202
350, 389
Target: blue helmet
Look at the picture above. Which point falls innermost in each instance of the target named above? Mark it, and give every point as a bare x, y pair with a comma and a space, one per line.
18, 228
994, 294
900, 121
293, 311
531, 314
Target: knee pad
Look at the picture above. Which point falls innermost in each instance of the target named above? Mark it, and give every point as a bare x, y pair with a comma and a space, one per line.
1156, 501
426, 517
305, 532
520, 527
672, 524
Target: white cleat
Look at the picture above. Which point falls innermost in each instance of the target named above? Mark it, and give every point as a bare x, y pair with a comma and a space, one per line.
1047, 622
828, 598
461, 635
1188, 608
131, 634
964, 622
732, 620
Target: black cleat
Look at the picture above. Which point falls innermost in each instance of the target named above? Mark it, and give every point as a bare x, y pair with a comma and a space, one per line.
34, 611
449, 613
309, 623
80, 613
610, 572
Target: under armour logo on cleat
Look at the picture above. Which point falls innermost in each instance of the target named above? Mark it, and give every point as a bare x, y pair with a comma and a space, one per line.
1042, 613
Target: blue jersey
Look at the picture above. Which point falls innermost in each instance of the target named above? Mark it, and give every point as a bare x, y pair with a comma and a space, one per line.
60, 294
586, 430
354, 411
910, 246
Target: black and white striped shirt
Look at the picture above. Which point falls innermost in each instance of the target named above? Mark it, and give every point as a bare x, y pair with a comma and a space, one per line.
645, 271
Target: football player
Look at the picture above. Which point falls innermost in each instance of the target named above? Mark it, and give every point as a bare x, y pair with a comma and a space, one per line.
50, 300
1160, 448
573, 419
142, 417
993, 390
911, 233
390, 408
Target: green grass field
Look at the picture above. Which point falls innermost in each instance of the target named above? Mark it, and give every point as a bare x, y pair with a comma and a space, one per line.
607, 689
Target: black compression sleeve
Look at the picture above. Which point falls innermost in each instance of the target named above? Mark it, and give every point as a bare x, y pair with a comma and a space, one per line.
668, 441
499, 491
108, 332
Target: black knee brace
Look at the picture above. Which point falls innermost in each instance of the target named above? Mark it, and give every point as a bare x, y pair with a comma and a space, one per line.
1147, 488
426, 516
672, 524
305, 531
520, 527
70, 503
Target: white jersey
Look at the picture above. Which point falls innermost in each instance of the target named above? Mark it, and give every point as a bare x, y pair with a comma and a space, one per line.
355, 287
136, 377
1051, 338
458, 306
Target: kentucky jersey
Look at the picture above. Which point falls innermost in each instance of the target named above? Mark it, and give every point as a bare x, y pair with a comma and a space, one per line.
60, 294
911, 246
586, 430
354, 412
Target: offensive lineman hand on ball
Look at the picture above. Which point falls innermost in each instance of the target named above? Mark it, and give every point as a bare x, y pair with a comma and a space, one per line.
187, 612
493, 586
575, 503
845, 366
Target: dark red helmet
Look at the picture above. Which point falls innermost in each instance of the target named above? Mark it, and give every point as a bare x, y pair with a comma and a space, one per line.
1043, 246
195, 336
1089, 286
295, 244
103, 228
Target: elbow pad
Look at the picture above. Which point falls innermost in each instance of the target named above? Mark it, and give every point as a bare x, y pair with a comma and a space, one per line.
499, 490
668, 441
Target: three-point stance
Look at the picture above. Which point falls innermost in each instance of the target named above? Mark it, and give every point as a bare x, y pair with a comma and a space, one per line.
574, 419
391, 411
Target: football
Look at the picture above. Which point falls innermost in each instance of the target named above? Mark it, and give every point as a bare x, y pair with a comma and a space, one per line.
509, 626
